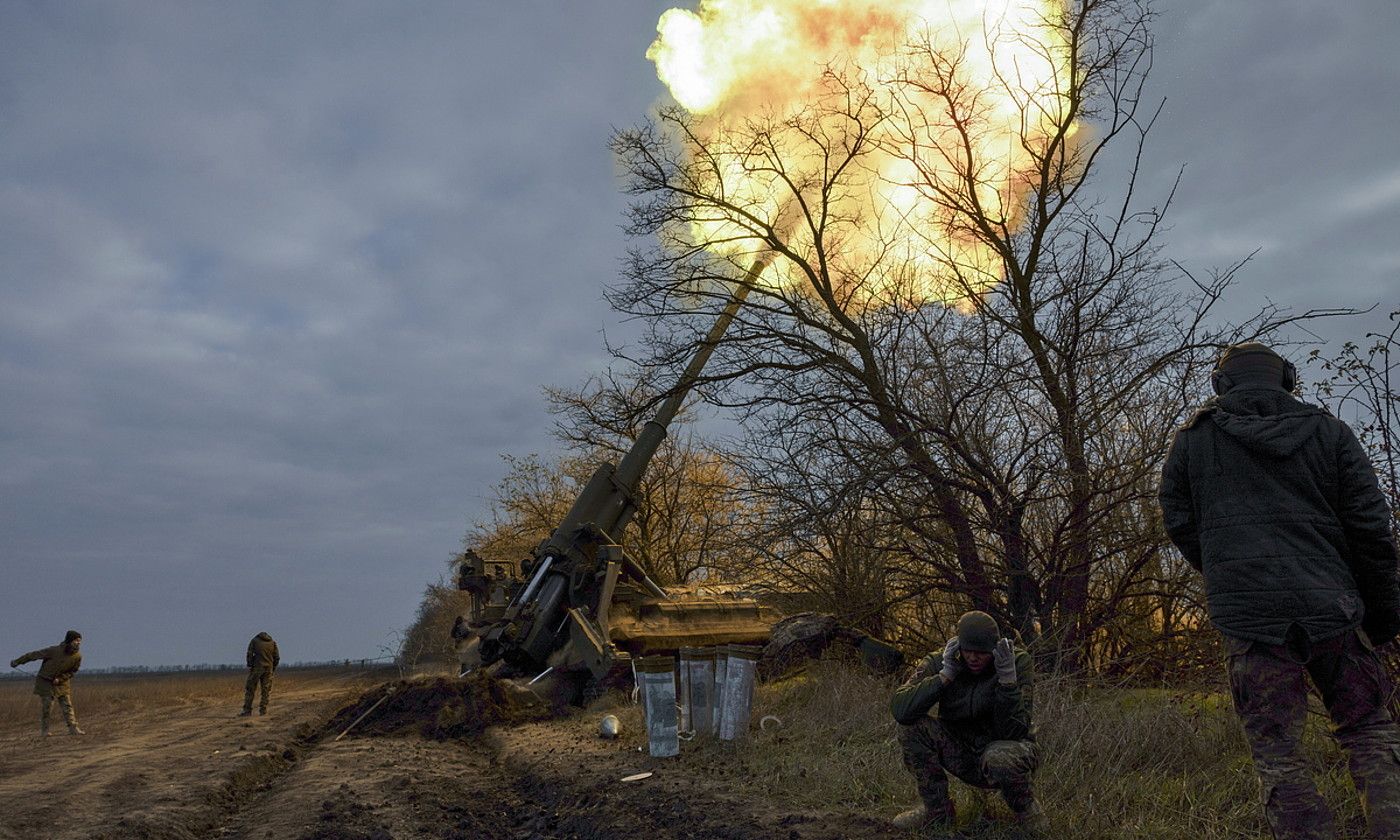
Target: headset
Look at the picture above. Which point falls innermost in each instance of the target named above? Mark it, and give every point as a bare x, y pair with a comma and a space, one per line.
1220, 382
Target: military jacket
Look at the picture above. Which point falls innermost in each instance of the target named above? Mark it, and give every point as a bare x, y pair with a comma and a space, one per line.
58, 668
262, 652
975, 708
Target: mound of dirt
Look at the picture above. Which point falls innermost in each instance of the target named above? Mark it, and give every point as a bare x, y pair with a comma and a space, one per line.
438, 708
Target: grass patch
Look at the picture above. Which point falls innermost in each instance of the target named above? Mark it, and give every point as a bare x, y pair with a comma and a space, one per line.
1117, 763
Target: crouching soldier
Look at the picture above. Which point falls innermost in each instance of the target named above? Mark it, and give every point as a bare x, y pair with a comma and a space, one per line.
263, 660
981, 686
60, 663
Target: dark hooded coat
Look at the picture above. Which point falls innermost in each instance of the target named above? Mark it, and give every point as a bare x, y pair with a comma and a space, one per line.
1275, 501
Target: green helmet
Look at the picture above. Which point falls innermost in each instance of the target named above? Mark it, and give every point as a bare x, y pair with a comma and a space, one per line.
978, 632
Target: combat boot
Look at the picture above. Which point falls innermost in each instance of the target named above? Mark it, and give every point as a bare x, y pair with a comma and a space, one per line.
924, 817
1032, 821
74, 729
246, 713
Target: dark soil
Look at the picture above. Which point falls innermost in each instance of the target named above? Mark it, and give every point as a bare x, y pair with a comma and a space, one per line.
437, 708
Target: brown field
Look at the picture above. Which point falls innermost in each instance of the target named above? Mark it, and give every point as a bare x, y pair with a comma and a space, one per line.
166, 757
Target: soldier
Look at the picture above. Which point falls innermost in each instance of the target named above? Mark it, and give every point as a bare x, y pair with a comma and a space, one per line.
472, 578
983, 732
1276, 503
263, 659
61, 662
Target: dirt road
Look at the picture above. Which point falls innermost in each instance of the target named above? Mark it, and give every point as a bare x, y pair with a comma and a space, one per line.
196, 771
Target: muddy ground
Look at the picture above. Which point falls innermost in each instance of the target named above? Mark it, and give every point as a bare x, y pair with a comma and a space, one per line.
197, 771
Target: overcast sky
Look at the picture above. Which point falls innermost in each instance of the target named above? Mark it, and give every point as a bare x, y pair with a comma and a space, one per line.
280, 282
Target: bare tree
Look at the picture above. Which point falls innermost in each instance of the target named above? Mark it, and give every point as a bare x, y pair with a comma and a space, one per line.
996, 360
1362, 386
685, 528
428, 640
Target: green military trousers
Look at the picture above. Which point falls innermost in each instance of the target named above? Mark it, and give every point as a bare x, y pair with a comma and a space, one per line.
257, 677
931, 753
48, 693
1270, 690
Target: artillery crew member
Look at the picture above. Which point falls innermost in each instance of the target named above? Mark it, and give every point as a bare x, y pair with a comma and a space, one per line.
983, 733
473, 579
1276, 503
263, 659
60, 663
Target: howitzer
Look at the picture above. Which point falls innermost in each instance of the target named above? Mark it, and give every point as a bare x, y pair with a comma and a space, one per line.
579, 571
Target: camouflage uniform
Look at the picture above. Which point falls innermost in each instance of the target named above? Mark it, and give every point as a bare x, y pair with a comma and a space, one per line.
983, 734
60, 663
1271, 697
931, 751
263, 659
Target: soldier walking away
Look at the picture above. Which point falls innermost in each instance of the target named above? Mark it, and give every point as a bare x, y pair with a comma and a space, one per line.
263, 659
1276, 503
60, 663
983, 733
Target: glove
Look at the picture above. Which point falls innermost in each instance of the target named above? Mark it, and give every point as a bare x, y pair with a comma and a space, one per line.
952, 664
1005, 660
14, 663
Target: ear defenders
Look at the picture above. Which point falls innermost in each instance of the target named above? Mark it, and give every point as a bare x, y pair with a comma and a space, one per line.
1220, 381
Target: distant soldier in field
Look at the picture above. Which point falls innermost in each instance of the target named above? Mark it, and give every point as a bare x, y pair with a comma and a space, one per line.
1277, 504
263, 660
60, 663
983, 734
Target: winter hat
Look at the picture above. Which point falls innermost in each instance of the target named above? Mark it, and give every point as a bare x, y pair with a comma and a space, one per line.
977, 632
1252, 363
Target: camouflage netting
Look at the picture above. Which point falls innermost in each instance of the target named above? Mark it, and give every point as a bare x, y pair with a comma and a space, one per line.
800, 638
439, 708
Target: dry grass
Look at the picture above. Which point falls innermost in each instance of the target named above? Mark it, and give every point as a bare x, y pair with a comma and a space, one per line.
102, 694
1116, 763
1169, 765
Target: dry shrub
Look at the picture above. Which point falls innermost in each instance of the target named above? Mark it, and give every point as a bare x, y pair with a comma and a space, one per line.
428, 641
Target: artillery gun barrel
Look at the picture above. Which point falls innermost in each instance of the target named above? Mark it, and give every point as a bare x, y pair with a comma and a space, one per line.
634, 463
566, 581
607, 501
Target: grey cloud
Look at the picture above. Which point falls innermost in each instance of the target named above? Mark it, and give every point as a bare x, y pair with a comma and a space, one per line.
280, 282
1277, 109
280, 285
